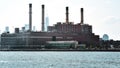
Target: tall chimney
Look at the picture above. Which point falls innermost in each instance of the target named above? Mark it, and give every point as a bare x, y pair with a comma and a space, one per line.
43, 17
30, 17
67, 15
81, 15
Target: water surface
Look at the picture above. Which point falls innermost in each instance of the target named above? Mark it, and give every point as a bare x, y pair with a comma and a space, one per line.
51, 59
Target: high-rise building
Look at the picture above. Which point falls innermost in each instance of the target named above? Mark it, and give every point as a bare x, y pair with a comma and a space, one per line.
23, 29
7, 29
46, 23
34, 28
26, 27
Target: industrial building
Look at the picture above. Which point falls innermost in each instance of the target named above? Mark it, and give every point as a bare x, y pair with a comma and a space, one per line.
61, 31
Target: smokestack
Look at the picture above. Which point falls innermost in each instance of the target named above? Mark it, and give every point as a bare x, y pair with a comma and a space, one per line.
81, 15
67, 15
30, 17
43, 17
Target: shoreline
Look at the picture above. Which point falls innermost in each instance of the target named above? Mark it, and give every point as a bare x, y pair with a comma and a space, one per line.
63, 50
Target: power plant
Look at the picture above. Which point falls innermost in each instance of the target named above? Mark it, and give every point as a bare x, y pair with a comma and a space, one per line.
61, 31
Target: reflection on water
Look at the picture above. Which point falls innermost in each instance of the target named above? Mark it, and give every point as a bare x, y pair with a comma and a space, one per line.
59, 60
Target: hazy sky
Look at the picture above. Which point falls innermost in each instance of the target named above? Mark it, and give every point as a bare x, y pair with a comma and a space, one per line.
103, 15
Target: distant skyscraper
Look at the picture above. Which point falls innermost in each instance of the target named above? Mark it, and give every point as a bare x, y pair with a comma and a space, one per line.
26, 27
34, 28
46, 23
7, 29
23, 29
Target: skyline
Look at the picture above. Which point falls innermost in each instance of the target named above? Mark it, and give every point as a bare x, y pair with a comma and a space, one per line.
102, 15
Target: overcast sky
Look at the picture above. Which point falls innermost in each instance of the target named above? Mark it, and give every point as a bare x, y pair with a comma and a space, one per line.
103, 15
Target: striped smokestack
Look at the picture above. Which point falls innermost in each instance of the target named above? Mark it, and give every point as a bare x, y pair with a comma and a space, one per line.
30, 17
43, 17
67, 15
82, 15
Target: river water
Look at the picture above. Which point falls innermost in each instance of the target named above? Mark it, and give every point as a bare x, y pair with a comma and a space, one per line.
38, 59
